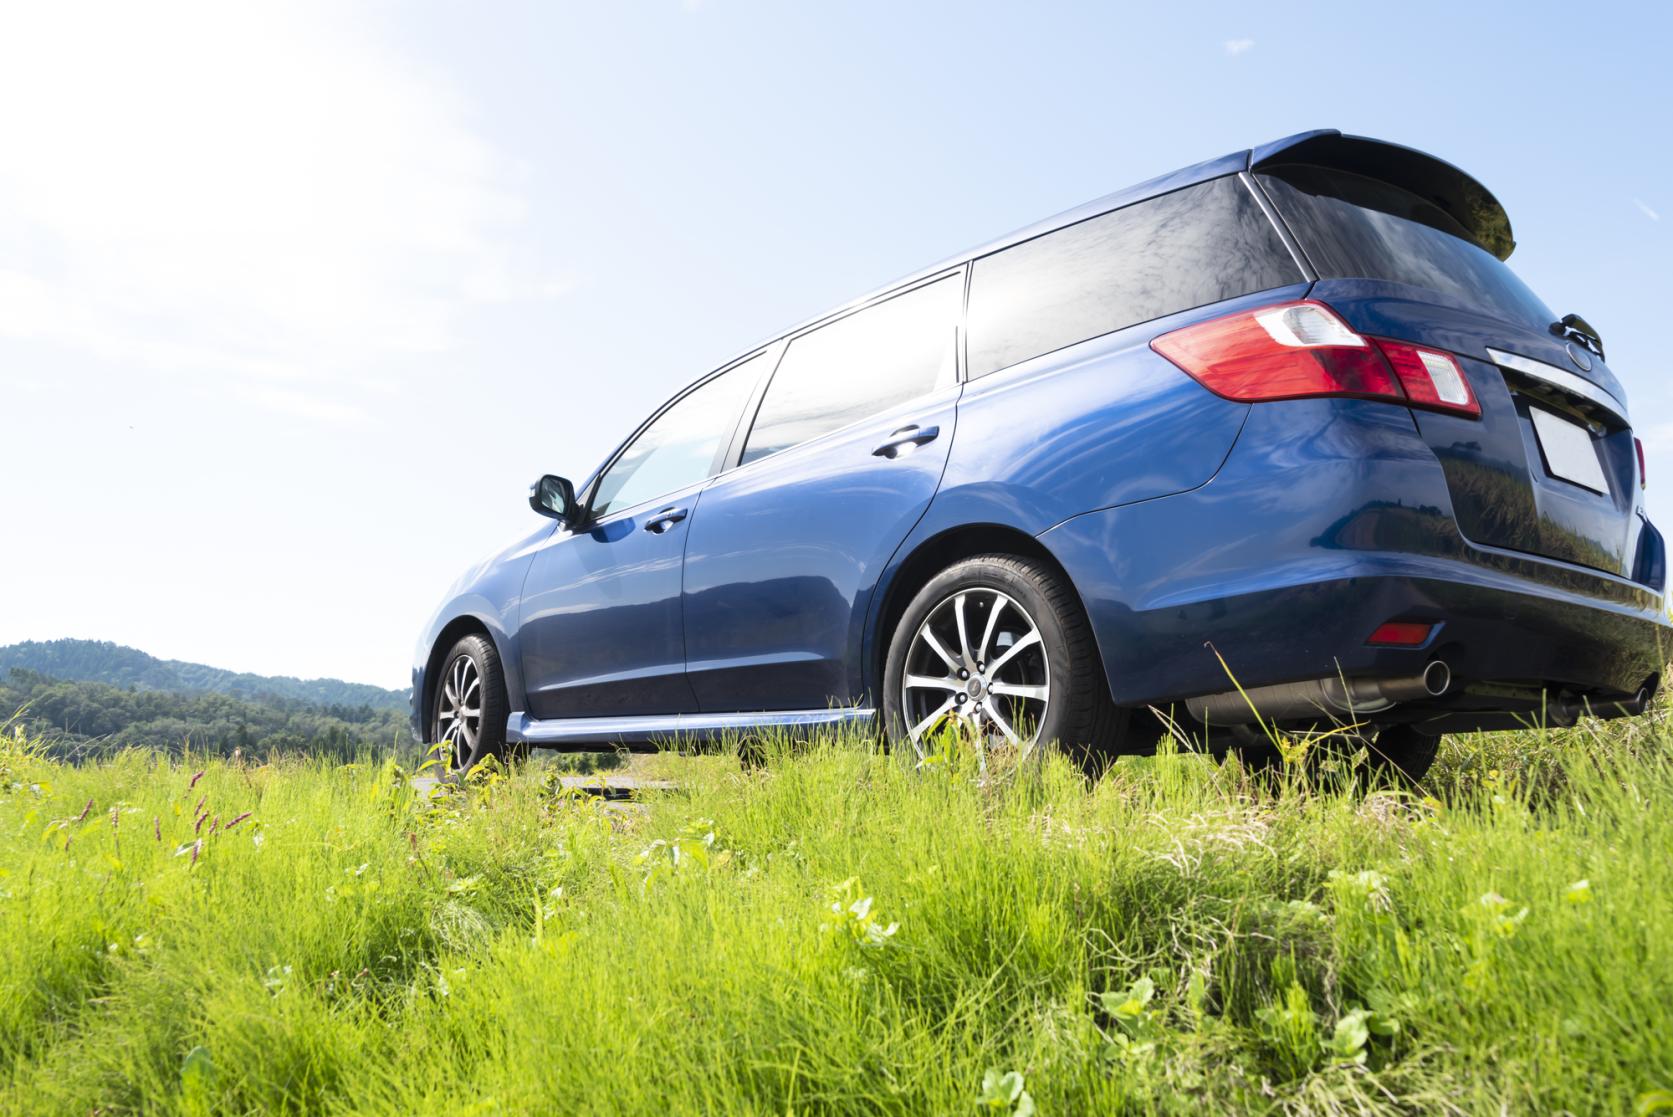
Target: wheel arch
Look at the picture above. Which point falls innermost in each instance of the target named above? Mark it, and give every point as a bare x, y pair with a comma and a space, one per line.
451, 633
933, 555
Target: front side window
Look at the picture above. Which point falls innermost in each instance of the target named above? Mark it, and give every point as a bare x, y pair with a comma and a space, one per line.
682, 446
859, 365
1189, 248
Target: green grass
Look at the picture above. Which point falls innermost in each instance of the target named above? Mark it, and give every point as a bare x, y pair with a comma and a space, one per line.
837, 932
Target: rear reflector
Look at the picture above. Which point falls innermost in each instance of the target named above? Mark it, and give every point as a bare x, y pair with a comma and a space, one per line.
1643, 478
1302, 350
1401, 634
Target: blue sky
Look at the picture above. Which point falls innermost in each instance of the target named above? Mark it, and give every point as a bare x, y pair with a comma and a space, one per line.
296, 300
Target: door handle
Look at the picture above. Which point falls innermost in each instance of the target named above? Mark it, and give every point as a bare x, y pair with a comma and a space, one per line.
906, 439
665, 519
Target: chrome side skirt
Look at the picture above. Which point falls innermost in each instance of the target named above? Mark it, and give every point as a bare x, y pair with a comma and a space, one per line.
668, 727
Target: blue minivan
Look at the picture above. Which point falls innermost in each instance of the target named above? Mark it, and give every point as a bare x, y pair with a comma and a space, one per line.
1276, 435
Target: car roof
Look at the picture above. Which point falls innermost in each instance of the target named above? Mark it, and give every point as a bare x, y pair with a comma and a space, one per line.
1456, 192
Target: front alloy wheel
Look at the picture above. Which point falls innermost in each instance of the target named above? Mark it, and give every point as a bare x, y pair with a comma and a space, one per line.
468, 707
459, 709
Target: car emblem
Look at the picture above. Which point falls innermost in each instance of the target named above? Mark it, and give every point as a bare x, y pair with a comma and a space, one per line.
1582, 359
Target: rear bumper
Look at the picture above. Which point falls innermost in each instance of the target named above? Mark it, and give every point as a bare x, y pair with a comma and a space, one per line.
1298, 549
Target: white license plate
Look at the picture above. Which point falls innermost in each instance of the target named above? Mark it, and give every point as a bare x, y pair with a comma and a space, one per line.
1569, 451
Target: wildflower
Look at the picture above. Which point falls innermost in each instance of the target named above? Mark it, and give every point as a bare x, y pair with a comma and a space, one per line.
1580, 892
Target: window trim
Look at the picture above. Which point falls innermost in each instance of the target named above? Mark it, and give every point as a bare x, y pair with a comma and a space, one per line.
588, 520
752, 411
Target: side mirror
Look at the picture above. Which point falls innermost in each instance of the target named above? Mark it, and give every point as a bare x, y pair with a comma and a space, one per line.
553, 496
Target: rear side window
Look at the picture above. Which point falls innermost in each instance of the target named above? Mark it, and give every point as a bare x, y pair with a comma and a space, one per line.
1185, 249
1353, 227
859, 365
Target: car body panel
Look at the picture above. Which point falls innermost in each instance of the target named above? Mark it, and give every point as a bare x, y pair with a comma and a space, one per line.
1329, 518
487, 596
1501, 492
785, 553
601, 629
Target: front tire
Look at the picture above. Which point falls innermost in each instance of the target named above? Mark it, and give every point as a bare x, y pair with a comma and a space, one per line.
469, 705
1001, 643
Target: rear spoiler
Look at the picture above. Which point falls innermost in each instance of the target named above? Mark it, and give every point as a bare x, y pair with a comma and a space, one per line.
1464, 199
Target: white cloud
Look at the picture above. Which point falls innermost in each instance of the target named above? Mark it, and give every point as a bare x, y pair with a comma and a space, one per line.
1644, 208
245, 189
311, 405
1235, 47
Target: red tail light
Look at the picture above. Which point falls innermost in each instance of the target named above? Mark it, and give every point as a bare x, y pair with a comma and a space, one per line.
1302, 350
1401, 634
1643, 477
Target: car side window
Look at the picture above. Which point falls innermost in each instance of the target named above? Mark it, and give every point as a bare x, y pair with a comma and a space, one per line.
1189, 248
859, 365
682, 446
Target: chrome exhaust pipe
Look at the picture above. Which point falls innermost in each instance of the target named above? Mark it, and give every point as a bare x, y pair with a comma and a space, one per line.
1332, 697
1434, 681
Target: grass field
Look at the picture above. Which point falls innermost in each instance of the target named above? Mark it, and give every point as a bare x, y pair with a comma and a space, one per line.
837, 932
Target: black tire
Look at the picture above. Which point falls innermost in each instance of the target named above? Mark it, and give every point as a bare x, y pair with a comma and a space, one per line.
1079, 715
484, 736
1404, 752
1398, 754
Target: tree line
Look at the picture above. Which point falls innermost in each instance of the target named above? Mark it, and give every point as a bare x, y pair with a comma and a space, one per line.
79, 719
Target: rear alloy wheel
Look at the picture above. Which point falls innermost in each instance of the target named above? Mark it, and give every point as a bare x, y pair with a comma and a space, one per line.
470, 705
999, 645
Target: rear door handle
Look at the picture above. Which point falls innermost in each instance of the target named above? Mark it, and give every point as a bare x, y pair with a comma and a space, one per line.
906, 438
665, 519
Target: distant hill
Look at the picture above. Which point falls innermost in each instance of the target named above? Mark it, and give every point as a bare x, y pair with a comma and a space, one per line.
76, 719
102, 662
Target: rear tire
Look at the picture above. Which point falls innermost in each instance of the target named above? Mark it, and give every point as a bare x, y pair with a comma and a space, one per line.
1404, 752
468, 706
1398, 753
1059, 688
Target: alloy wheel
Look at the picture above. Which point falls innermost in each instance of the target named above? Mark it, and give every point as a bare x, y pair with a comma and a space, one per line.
977, 657
459, 709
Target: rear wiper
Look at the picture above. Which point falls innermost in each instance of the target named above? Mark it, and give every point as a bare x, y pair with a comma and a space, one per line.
1577, 328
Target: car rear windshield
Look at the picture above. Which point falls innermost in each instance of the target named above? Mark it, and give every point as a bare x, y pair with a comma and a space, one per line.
1352, 227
